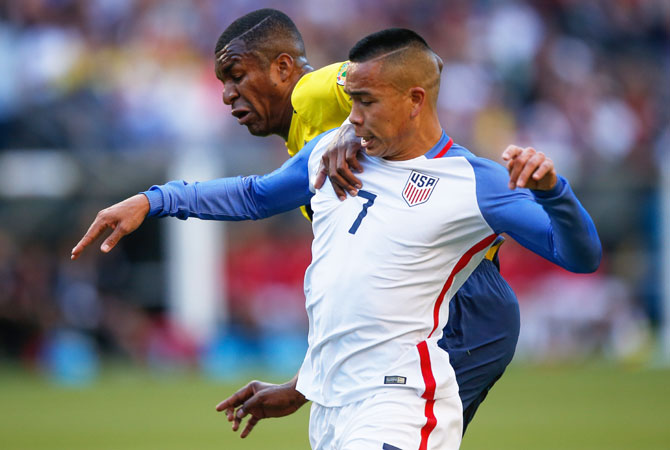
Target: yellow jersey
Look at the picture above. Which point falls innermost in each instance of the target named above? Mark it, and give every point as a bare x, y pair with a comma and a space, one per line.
319, 104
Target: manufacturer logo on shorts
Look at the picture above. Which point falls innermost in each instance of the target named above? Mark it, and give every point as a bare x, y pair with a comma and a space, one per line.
418, 188
342, 74
395, 379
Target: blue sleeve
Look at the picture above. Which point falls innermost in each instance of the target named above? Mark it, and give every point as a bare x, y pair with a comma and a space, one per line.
237, 198
551, 223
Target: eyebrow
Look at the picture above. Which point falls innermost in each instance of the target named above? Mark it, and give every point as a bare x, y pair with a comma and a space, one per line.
352, 93
225, 68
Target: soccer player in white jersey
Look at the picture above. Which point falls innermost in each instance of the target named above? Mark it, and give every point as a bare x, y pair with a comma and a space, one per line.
428, 213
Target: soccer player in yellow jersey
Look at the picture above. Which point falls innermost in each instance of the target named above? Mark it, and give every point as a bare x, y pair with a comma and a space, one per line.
271, 89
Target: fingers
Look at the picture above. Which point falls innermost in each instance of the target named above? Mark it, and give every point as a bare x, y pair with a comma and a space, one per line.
546, 167
341, 177
350, 183
353, 149
338, 163
516, 163
529, 169
123, 218
251, 423
321, 176
235, 400
98, 226
113, 239
512, 151
331, 171
237, 418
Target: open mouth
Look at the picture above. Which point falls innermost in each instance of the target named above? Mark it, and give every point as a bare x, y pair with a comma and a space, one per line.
242, 115
366, 141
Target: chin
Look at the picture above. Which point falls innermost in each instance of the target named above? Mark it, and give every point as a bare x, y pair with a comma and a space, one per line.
258, 130
374, 151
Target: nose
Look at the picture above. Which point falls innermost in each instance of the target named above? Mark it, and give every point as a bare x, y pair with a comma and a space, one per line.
229, 93
355, 115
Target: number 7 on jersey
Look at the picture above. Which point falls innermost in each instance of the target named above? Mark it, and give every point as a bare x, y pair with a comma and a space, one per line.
364, 212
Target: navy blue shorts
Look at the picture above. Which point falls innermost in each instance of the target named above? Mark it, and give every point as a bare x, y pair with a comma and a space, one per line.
481, 334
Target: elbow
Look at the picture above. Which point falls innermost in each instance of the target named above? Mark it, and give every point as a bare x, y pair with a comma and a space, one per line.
588, 262
594, 262
589, 266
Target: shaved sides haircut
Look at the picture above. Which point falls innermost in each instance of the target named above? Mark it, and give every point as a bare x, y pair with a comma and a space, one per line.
406, 55
384, 42
266, 31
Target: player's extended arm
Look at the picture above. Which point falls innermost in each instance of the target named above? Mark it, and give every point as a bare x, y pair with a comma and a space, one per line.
261, 400
548, 219
236, 198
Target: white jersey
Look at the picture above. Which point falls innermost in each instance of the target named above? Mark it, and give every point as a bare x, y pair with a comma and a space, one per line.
383, 268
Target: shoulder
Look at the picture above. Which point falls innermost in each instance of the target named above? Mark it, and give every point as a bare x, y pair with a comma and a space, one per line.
320, 79
485, 170
322, 88
490, 177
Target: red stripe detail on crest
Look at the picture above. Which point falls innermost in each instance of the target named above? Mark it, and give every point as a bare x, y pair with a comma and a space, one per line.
465, 259
414, 195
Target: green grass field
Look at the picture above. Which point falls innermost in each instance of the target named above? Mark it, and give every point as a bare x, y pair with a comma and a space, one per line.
594, 407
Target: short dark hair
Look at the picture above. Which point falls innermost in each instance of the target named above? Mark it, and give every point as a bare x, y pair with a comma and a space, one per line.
385, 41
260, 28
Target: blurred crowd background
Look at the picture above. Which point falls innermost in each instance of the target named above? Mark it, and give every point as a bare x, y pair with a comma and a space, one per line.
100, 99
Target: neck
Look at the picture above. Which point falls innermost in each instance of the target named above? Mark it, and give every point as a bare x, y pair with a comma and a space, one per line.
421, 137
287, 112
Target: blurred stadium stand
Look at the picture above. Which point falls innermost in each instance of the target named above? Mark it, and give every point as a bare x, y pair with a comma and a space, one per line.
98, 97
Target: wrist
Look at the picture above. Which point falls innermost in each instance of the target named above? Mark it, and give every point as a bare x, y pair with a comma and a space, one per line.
154, 199
553, 191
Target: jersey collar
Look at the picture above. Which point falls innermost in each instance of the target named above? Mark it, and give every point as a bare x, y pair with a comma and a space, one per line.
441, 148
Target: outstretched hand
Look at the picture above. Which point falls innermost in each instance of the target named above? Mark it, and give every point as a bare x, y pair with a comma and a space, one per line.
339, 160
123, 218
260, 400
529, 169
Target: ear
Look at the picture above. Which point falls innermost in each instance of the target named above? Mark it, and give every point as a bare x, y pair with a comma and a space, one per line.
417, 96
282, 67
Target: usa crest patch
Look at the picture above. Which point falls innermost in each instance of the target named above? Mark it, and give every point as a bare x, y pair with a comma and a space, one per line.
342, 73
418, 188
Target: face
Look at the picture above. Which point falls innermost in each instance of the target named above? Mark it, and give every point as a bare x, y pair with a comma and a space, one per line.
380, 111
249, 89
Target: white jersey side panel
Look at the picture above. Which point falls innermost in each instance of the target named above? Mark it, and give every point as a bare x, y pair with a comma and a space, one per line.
379, 266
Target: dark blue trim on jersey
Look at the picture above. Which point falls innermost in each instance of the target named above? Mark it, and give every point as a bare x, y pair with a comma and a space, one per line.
437, 148
238, 198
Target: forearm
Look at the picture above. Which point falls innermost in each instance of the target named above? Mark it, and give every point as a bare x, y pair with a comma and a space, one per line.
237, 198
563, 231
221, 199
576, 243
